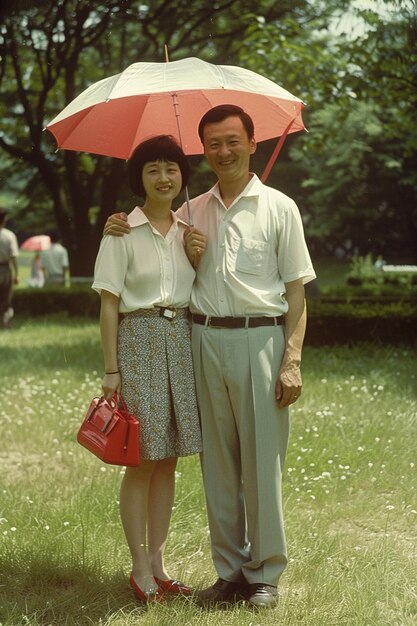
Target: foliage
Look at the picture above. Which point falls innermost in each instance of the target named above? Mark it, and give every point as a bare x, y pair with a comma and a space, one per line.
369, 274
348, 497
355, 176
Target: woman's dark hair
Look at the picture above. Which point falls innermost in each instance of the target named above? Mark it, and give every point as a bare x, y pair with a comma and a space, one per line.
159, 148
220, 113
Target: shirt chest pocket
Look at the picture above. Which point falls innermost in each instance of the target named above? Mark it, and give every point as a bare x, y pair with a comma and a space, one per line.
252, 256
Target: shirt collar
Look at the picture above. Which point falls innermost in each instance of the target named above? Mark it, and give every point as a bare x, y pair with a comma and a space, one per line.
138, 218
253, 188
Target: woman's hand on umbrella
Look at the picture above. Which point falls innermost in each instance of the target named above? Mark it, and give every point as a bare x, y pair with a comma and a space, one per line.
110, 384
117, 224
195, 244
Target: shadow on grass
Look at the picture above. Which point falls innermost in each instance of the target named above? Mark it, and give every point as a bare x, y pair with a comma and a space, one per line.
38, 592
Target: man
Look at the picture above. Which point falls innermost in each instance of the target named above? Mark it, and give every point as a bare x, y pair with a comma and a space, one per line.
248, 312
55, 263
8, 270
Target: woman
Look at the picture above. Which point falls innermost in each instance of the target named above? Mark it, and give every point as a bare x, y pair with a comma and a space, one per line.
147, 278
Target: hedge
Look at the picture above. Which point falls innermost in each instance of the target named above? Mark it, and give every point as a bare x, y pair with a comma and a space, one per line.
370, 320
331, 321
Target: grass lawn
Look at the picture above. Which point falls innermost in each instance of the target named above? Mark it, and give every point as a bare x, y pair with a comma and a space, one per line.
350, 495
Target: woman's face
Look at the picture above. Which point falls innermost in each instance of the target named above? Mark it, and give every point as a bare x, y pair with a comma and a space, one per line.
162, 181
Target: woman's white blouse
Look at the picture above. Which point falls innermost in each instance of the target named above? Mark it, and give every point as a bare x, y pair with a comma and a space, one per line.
144, 268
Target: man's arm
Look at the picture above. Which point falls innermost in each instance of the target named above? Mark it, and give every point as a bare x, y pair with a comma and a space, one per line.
117, 224
289, 384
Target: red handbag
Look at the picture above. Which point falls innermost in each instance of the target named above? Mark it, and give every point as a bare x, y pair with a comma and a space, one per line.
110, 432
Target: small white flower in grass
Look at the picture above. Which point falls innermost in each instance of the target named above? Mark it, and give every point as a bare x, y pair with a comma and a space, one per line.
46, 527
323, 380
66, 523
370, 464
13, 529
103, 469
343, 477
413, 512
411, 464
54, 381
390, 507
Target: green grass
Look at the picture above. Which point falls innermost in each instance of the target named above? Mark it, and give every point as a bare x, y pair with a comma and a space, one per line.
349, 493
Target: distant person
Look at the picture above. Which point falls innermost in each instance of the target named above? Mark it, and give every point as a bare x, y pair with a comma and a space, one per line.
37, 277
9, 271
55, 263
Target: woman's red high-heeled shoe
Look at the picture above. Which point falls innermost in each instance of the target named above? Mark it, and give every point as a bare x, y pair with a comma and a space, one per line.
173, 586
146, 596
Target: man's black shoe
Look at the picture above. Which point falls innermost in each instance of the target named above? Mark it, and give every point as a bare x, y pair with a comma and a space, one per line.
222, 591
261, 595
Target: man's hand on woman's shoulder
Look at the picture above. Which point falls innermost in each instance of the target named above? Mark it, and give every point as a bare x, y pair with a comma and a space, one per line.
117, 224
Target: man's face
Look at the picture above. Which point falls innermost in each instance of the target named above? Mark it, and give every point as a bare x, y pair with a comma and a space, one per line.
228, 149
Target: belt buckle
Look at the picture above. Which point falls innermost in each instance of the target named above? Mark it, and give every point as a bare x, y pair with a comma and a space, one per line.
169, 312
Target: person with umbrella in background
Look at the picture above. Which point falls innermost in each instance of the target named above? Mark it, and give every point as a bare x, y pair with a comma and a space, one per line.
147, 278
9, 270
249, 318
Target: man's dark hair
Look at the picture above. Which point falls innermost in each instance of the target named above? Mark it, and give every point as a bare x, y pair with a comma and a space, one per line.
159, 148
3, 215
220, 113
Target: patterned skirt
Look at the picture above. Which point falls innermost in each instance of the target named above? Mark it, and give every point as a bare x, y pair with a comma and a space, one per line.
158, 382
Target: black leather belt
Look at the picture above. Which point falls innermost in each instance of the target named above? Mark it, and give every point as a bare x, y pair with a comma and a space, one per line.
236, 322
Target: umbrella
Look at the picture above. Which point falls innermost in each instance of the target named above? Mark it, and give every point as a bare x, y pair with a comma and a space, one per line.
37, 243
112, 116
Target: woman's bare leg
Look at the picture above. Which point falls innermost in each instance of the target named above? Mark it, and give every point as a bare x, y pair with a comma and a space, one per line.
160, 503
134, 498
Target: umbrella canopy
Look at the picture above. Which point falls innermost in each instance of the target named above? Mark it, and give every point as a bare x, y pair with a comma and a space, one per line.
37, 243
114, 115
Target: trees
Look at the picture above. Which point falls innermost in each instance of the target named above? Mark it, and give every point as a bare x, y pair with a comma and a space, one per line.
355, 171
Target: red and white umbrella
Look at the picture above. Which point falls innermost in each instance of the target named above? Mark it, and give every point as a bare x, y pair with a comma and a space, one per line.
112, 116
37, 243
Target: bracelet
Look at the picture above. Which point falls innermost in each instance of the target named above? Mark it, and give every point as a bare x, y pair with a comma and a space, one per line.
116, 372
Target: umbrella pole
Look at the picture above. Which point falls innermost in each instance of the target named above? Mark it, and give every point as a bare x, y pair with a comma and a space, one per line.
177, 115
